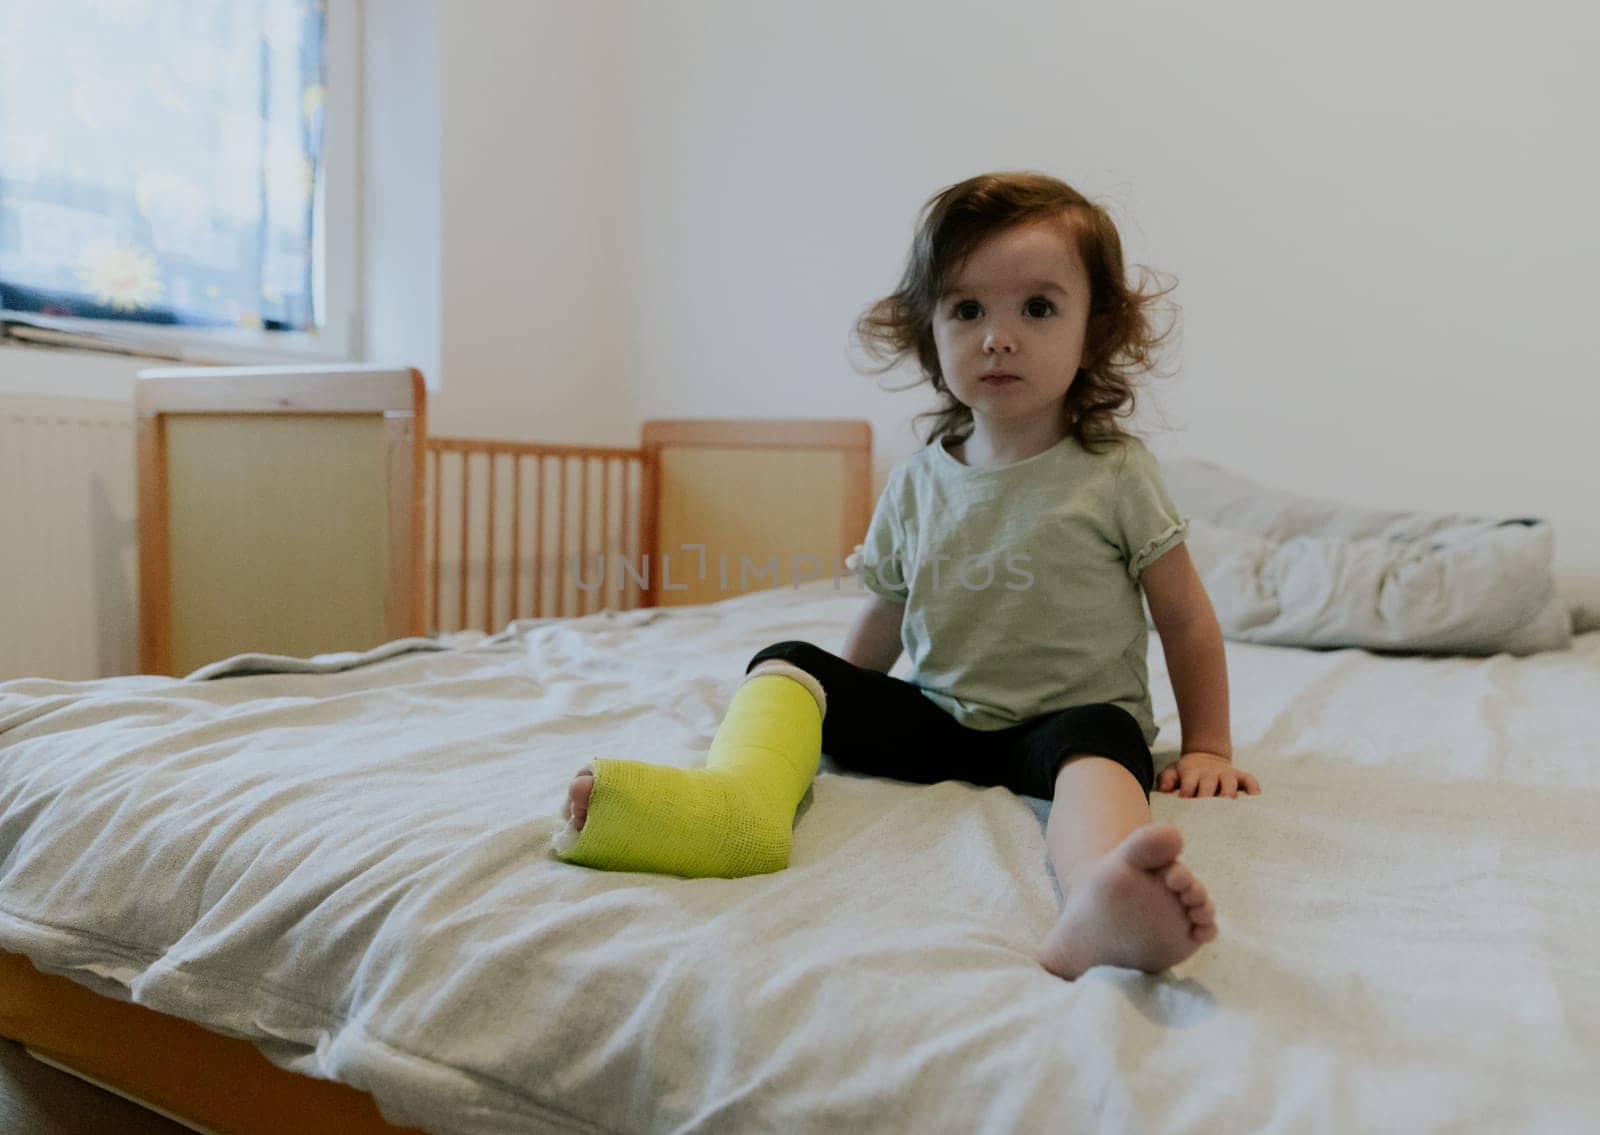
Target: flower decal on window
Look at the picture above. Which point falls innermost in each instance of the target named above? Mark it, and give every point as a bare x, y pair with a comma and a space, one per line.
123, 278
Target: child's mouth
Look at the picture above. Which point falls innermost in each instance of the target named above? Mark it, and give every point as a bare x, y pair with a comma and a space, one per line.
1000, 379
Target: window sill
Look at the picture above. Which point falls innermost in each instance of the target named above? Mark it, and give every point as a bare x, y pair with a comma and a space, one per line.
199, 346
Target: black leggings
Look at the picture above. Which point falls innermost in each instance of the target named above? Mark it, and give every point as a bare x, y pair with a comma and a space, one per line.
884, 726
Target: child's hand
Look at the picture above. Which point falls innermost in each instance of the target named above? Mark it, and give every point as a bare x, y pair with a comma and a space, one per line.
1206, 774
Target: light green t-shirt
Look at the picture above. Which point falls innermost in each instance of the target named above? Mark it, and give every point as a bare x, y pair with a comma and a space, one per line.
1021, 583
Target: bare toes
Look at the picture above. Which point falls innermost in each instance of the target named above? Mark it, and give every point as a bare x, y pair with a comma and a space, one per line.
1203, 915
1152, 847
1179, 878
577, 809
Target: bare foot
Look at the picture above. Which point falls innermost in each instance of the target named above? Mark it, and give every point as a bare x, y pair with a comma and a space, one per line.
577, 810
1136, 907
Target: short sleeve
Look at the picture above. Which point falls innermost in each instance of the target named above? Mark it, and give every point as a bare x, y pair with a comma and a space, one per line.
880, 558
1148, 521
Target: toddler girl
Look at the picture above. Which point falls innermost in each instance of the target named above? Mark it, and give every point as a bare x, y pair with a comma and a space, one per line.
1008, 559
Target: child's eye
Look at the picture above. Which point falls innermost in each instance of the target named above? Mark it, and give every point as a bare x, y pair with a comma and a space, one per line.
967, 309
1039, 307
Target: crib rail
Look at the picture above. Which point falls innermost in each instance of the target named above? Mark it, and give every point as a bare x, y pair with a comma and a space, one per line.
531, 530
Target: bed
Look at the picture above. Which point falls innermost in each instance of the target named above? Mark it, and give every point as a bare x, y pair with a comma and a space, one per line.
331, 879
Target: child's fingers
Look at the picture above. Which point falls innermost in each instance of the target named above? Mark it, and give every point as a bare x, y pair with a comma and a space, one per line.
1197, 783
1233, 784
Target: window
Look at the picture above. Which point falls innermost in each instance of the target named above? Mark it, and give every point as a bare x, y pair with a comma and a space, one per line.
164, 174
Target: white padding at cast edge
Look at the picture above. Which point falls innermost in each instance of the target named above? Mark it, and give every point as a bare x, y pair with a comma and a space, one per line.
790, 670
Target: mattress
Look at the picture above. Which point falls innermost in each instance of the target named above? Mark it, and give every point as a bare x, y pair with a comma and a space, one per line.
350, 871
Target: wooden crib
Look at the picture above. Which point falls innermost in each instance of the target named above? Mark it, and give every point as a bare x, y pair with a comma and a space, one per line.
302, 510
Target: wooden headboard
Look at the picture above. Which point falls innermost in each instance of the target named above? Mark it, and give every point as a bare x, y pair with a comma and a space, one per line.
303, 510
279, 510
700, 510
750, 504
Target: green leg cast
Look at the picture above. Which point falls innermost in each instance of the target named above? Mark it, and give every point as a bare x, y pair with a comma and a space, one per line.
732, 818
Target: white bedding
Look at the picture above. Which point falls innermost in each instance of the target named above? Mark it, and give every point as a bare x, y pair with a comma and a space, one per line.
352, 869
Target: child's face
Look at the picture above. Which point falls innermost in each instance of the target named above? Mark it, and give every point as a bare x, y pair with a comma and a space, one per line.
1018, 306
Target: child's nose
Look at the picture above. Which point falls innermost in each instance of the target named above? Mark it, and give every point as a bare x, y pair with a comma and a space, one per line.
999, 337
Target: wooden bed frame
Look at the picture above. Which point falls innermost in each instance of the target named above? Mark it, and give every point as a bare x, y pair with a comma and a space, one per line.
171, 1066
758, 494
298, 511
303, 510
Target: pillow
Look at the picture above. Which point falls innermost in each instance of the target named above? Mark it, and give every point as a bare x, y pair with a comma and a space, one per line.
1303, 571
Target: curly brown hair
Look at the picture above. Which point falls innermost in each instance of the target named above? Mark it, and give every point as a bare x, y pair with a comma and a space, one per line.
1121, 342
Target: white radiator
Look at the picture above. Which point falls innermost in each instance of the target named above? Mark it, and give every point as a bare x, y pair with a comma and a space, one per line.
68, 541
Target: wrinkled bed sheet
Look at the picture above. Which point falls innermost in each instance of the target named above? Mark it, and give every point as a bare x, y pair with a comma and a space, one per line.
352, 869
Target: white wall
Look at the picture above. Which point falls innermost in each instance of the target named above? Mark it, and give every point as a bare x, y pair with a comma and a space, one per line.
537, 340
48, 371
400, 186
1379, 214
